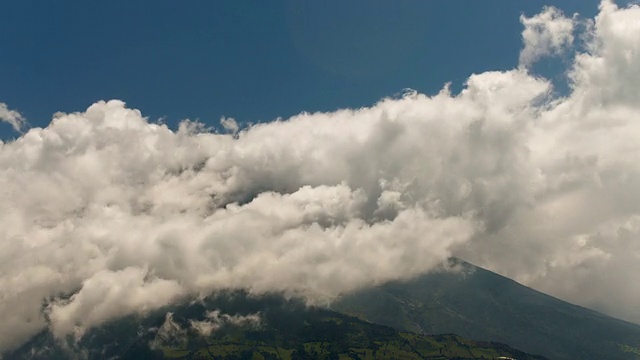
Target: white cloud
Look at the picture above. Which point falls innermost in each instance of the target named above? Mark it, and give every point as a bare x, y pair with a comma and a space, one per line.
12, 117
230, 125
170, 333
125, 216
100, 204
108, 294
547, 33
215, 320
585, 149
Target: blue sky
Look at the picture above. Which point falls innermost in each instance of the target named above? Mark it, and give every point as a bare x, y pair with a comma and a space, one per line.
246, 59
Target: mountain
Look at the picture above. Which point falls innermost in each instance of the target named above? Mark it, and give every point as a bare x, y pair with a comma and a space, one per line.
237, 326
392, 321
480, 304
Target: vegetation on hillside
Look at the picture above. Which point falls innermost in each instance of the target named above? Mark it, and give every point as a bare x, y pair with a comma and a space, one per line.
267, 327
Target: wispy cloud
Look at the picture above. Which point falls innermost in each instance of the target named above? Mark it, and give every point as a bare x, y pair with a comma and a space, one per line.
12, 117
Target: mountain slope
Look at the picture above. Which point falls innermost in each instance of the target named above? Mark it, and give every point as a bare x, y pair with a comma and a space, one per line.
268, 327
479, 304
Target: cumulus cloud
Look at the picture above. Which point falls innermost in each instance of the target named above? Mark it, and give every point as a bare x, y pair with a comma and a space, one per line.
125, 216
547, 33
106, 214
12, 117
578, 240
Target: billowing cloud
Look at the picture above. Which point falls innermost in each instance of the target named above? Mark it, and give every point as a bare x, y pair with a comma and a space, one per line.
12, 117
547, 33
126, 216
579, 239
105, 213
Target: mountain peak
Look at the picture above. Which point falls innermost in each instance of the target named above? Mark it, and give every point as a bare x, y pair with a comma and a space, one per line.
471, 301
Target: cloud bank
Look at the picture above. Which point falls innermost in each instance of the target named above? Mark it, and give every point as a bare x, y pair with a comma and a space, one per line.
106, 214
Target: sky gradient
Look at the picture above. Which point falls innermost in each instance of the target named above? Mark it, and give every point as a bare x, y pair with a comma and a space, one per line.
248, 60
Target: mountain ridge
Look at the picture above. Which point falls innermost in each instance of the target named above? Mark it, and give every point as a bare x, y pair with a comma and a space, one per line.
462, 300
477, 303
245, 327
